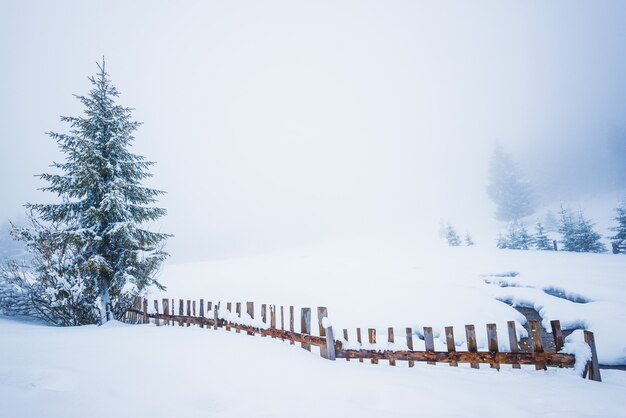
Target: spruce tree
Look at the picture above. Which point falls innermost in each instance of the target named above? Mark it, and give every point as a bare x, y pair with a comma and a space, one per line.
517, 237
542, 242
99, 230
452, 237
508, 190
567, 229
578, 234
468, 240
587, 239
619, 239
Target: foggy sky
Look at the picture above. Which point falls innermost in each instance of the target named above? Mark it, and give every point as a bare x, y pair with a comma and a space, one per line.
276, 123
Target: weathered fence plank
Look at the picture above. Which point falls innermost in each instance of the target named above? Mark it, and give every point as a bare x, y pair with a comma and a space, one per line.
409, 343
146, 318
553, 359
429, 342
472, 347
322, 313
156, 310
513, 343
305, 325
450, 343
201, 312
345, 337
273, 317
291, 321
592, 370
250, 311
358, 339
390, 338
329, 352
492, 342
535, 335
557, 335
166, 310
371, 334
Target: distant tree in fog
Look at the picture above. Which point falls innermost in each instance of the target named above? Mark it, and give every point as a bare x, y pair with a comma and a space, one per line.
507, 188
452, 237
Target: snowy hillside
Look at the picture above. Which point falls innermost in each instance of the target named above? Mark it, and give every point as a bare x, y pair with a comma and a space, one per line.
367, 282
382, 281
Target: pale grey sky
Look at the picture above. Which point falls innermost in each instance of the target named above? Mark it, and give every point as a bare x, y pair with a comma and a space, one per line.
277, 122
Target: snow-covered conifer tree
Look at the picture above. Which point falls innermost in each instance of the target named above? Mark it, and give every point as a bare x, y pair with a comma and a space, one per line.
542, 242
502, 242
619, 239
517, 237
468, 240
578, 234
567, 229
507, 189
452, 237
587, 239
103, 247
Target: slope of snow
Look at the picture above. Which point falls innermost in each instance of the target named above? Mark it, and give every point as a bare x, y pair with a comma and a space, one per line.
383, 281
145, 371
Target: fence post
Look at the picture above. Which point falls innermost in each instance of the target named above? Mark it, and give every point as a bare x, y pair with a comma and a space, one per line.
330, 344
322, 313
146, 318
250, 311
592, 370
282, 318
450, 344
188, 313
409, 343
291, 322
492, 338
390, 338
273, 318
535, 334
238, 311
472, 347
345, 337
264, 316
371, 333
305, 325
358, 339
201, 313
513, 344
229, 307
429, 342
166, 310
216, 317
156, 312
557, 335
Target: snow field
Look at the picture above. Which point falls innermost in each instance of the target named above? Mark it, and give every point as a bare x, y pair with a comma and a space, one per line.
143, 370
380, 282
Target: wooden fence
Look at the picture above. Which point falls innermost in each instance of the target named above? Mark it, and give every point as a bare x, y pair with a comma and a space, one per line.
211, 315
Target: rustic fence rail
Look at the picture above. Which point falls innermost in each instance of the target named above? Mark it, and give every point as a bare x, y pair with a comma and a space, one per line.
192, 313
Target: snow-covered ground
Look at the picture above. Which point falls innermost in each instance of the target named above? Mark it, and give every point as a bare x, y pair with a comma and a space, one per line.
145, 371
384, 281
381, 281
